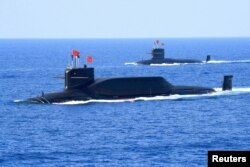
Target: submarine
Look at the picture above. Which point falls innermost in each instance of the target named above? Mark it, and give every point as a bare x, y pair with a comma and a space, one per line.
81, 85
158, 57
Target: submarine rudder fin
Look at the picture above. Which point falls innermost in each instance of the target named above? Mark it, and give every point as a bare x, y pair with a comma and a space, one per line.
208, 58
227, 82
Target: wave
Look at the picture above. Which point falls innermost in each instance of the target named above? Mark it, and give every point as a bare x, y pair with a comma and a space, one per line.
219, 92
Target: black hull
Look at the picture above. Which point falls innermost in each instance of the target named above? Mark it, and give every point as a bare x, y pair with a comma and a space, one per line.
80, 95
168, 61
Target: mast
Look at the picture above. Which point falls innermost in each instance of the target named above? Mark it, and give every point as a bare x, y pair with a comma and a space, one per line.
75, 59
158, 50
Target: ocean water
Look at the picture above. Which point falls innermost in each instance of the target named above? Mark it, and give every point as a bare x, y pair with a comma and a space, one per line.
161, 131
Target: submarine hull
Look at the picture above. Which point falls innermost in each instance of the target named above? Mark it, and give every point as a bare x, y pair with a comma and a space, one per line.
168, 61
62, 96
120, 88
190, 90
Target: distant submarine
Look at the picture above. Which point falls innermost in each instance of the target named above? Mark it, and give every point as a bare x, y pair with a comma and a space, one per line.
81, 85
158, 57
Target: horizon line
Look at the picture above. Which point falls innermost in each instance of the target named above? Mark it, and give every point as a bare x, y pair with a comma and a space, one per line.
42, 38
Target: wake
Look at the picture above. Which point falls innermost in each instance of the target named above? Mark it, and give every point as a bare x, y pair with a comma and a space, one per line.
226, 61
203, 62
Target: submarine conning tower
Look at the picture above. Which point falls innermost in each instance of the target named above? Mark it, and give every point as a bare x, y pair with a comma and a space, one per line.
77, 77
158, 52
208, 58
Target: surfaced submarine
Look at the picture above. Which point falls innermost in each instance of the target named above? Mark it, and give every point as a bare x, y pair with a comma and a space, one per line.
81, 85
158, 57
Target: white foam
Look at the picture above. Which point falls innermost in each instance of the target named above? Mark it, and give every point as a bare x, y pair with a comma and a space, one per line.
226, 61
19, 100
219, 92
131, 63
203, 62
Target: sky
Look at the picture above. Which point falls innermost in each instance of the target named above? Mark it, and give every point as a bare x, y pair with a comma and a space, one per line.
124, 18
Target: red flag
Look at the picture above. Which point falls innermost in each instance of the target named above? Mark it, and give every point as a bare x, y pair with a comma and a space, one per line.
89, 59
76, 53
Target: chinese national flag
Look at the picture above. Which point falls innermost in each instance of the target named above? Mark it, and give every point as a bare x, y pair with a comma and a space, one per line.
76, 53
89, 59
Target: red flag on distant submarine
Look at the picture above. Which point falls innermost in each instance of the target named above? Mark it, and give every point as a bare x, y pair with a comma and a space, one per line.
89, 59
76, 53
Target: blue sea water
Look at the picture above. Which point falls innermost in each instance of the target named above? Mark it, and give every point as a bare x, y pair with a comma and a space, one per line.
165, 132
